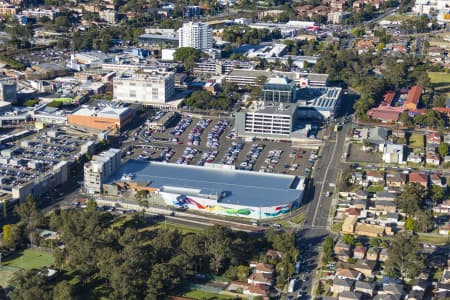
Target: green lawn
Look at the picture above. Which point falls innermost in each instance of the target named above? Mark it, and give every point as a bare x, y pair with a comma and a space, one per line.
5, 277
416, 140
201, 295
375, 188
183, 228
433, 239
440, 81
29, 259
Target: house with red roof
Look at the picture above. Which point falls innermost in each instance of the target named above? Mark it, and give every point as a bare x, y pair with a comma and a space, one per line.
413, 99
420, 178
434, 138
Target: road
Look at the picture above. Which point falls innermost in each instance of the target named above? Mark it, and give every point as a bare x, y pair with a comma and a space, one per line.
314, 230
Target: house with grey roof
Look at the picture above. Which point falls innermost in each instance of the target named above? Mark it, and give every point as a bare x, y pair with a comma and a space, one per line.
367, 288
349, 295
341, 285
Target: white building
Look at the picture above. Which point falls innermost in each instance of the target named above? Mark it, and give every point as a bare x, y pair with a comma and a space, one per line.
100, 168
393, 153
148, 89
271, 120
195, 35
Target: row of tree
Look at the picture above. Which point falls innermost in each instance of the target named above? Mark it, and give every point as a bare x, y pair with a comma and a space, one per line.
127, 263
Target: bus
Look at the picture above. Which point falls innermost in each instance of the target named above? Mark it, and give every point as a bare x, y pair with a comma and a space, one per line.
291, 288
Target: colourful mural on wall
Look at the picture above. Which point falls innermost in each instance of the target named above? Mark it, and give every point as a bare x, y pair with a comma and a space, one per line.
183, 201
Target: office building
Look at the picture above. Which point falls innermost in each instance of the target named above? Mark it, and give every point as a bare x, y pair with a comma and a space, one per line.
318, 103
150, 39
99, 169
148, 89
279, 89
8, 90
195, 35
266, 120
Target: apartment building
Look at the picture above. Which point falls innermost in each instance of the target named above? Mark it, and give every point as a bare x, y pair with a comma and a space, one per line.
100, 168
195, 35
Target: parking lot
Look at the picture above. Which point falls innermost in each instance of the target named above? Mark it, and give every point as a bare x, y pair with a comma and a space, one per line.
22, 161
201, 142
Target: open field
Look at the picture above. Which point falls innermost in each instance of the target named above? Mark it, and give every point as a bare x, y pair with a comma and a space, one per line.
440, 81
416, 141
5, 276
29, 259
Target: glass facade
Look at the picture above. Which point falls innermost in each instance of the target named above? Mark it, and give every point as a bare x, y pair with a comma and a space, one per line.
274, 92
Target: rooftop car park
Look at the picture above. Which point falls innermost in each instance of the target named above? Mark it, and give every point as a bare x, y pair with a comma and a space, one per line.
201, 141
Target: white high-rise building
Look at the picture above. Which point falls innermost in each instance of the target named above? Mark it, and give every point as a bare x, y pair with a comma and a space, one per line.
195, 35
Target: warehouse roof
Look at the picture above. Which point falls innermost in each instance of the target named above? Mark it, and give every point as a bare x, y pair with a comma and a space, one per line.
233, 186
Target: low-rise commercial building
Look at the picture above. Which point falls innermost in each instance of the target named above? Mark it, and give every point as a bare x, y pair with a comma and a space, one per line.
108, 117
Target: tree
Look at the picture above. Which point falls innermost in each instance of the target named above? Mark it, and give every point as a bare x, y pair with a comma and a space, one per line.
328, 249
163, 279
12, 235
443, 149
409, 224
188, 56
29, 285
349, 239
411, 199
437, 193
423, 220
405, 259
29, 216
63, 291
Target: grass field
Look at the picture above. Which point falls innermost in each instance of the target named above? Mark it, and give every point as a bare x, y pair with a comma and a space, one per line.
201, 295
416, 141
5, 277
440, 81
184, 229
29, 259
375, 188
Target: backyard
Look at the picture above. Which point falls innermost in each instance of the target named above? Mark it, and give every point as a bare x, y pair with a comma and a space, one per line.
416, 141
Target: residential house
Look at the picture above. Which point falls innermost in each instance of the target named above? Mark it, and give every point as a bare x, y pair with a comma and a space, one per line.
385, 196
443, 207
352, 211
341, 285
358, 178
260, 278
444, 229
395, 180
359, 252
446, 276
349, 224
443, 287
257, 290
264, 268
446, 160
437, 179
365, 267
434, 138
274, 254
414, 158
341, 246
372, 254
395, 289
377, 135
392, 217
421, 285
360, 204
369, 230
384, 255
420, 178
366, 288
386, 206
415, 295
348, 295
385, 297
360, 195
432, 159
393, 154
348, 274
447, 136
375, 177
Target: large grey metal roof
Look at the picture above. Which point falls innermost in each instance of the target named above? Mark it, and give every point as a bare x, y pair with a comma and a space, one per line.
238, 187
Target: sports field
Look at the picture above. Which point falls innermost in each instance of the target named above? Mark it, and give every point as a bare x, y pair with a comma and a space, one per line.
23, 259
